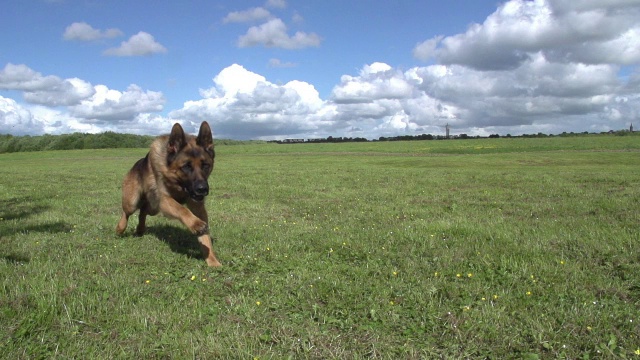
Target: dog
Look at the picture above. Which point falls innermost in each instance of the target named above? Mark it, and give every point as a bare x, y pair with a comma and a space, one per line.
174, 173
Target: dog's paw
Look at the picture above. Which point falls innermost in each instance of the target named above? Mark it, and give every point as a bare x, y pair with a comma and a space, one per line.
200, 227
140, 230
213, 262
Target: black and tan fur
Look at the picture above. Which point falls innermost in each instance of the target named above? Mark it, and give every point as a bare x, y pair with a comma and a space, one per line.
174, 173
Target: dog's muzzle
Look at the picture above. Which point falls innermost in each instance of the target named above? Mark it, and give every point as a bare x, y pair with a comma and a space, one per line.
199, 190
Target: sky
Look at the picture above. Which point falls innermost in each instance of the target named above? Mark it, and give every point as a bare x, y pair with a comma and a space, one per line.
276, 69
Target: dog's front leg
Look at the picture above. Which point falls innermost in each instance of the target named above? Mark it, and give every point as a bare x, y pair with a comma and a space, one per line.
197, 224
207, 250
206, 246
172, 209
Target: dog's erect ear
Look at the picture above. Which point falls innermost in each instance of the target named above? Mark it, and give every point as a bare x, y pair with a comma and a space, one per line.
176, 139
205, 137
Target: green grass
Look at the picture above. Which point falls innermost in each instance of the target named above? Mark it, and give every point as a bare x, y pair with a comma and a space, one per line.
493, 248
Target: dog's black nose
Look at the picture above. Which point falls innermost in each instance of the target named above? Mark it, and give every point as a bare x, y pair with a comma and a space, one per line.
201, 188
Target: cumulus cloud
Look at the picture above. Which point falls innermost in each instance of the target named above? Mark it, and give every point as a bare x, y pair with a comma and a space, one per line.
386, 101
592, 32
376, 81
112, 105
45, 90
17, 120
55, 105
253, 14
552, 65
243, 102
273, 34
140, 44
81, 31
537, 92
427, 49
21, 77
379, 100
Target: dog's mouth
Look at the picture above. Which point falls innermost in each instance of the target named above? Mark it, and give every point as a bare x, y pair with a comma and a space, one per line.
197, 197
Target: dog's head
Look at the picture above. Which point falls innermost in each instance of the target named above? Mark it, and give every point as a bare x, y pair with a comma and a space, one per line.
191, 159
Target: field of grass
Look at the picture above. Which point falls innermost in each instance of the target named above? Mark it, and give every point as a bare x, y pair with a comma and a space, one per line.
492, 248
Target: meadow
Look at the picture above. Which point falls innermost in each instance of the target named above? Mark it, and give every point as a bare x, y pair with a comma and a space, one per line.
489, 248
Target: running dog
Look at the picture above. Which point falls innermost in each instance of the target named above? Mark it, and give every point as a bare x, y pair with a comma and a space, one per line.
174, 173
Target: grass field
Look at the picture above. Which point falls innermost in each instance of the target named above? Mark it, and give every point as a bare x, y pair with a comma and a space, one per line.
493, 248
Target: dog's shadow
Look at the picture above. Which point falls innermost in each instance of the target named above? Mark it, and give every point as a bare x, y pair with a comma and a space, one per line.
179, 240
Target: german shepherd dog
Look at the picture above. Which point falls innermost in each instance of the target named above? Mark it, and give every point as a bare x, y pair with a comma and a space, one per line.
174, 173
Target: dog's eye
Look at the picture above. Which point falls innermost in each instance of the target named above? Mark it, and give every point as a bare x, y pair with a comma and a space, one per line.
187, 167
205, 166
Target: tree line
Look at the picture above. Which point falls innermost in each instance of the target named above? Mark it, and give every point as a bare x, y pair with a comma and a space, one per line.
332, 139
112, 140
81, 141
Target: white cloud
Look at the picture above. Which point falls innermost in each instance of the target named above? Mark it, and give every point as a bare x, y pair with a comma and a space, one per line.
376, 81
243, 102
16, 120
281, 4
82, 31
427, 49
253, 14
379, 101
277, 63
83, 101
44, 90
537, 92
584, 31
66, 92
140, 44
273, 34
21, 77
111, 105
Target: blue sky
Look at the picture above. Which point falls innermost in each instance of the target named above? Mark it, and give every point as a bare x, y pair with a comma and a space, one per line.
282, 68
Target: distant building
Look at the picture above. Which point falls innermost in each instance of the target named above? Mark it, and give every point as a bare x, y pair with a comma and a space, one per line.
447, 128
631, 128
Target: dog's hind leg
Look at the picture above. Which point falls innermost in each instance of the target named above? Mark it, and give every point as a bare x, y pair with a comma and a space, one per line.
142, 219
122, 224
131, 200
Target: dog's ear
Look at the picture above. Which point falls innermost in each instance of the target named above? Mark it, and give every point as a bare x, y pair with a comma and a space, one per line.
205, 138
176, 140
